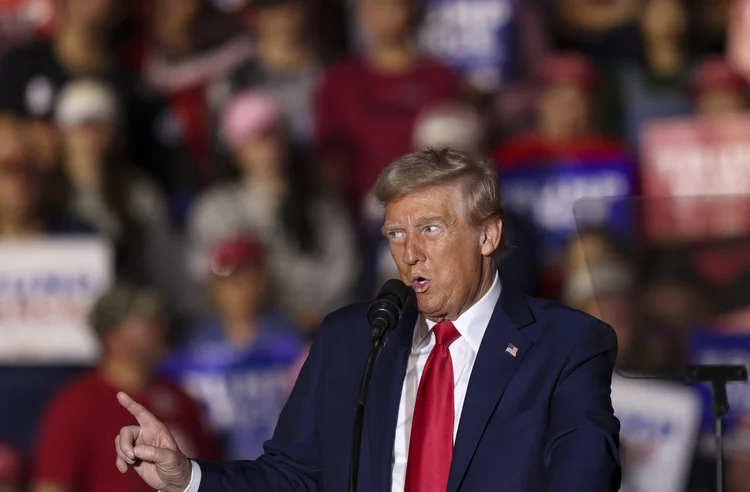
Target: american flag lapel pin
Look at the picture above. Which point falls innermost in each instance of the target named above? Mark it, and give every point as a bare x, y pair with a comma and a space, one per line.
512, 349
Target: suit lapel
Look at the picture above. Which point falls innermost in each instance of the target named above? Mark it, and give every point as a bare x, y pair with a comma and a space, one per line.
384, 398
493, 369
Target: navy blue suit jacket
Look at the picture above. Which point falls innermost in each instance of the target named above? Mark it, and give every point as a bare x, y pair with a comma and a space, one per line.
539, 421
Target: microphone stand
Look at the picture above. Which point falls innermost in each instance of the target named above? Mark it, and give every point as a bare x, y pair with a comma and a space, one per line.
718, 376
383, 315
359, 415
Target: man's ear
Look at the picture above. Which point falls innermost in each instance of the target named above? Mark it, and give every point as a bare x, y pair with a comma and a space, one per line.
492, 232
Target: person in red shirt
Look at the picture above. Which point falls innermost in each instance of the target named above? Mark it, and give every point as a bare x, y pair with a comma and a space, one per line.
564, 124
366, 106
73, 447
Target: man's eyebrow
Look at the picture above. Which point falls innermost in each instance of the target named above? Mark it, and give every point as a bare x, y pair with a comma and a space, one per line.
423, 221
429, 220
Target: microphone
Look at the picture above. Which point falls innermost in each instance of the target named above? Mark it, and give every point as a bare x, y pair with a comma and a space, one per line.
384, 313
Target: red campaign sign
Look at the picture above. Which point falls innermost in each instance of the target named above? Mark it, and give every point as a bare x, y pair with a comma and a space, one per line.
700, 169
738, 37
23, 20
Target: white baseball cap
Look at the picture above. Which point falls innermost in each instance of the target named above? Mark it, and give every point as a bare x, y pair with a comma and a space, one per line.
448, 124
84, 101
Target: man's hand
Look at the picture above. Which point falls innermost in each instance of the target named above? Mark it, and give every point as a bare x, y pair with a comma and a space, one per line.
151, 450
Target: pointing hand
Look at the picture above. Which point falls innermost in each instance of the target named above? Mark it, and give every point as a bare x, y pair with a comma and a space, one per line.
151, 450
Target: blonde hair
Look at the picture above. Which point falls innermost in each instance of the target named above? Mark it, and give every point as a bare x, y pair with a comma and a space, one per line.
440, 167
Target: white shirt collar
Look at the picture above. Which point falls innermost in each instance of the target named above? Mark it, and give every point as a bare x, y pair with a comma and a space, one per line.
471, 324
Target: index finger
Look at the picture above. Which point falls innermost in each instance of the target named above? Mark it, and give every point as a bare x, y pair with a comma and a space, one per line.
141, 414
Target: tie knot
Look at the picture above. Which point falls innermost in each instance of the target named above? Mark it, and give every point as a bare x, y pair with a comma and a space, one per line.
445, 333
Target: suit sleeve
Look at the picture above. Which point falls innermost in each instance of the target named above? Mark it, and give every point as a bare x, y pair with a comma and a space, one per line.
291, 462
582, 452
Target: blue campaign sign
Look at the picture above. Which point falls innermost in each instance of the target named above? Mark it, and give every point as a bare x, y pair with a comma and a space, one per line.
475, 37
547, 194
709, 348
241, 389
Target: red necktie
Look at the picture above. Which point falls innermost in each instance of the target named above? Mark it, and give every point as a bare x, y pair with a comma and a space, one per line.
431, 444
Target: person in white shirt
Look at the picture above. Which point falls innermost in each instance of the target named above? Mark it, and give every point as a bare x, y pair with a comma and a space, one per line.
478, 387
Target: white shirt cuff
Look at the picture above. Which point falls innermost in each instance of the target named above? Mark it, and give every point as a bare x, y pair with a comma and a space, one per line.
195, 478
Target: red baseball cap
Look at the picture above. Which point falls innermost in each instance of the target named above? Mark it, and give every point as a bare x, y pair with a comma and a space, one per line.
232, 253
247, 115
568, 67
715, 74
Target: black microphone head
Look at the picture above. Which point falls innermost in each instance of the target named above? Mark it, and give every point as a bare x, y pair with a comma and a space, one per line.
384, 313
395, 290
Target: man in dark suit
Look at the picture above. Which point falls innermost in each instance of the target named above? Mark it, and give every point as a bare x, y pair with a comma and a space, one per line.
478, 388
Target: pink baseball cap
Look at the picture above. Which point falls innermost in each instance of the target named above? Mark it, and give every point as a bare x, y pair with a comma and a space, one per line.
248, 114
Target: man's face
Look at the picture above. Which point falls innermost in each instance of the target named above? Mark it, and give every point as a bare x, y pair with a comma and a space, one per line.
88, 139
285, 21
18, 189
438, 252
173, 18
663, 19
241, 293
142, 337
262, 154
563, 111
385, 21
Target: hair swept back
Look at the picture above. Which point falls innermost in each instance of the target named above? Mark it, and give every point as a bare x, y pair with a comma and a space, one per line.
439, 167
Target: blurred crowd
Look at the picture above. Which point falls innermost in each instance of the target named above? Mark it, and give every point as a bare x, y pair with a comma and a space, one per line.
227, 151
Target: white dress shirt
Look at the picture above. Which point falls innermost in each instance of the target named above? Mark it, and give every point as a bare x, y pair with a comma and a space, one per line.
471, 325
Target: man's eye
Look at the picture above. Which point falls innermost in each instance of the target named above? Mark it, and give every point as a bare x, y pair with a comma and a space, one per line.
431, 228
395, 234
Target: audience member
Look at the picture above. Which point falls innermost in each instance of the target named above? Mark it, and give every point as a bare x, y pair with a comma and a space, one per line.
717, 89
655, 86
603, 30
564, 124
603, 290
307, 234
285, 64
673, 294
238, 362
32, 75
71, 453
601, 280
366, 107
590, 247
96, 181
191, 47
24, 212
